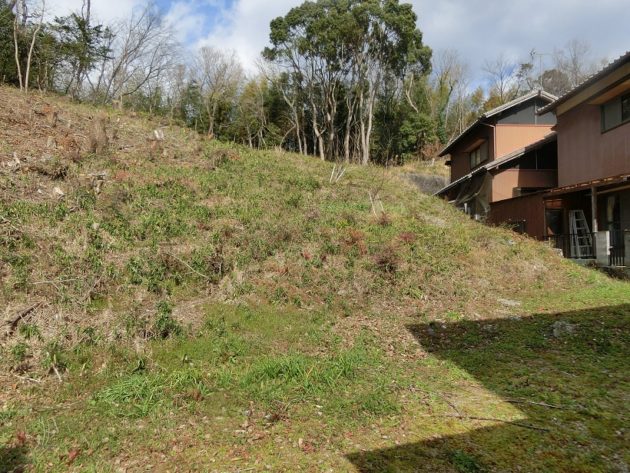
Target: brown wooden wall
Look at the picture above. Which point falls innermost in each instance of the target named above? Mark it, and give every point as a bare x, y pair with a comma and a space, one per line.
505, 181
516, 136
528, 208
508, 138
584, 152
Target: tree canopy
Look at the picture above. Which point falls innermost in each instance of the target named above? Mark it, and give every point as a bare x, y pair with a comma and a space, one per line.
343, 80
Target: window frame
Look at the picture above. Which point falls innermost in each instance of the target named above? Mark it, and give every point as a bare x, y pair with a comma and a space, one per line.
626, 98
622, 121
481, 158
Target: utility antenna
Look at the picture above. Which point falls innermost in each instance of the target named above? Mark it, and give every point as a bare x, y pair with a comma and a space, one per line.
540, 65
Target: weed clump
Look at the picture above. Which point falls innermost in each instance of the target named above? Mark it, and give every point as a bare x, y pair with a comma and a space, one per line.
387, 260
218, 157
165, 326
53, 168
384, 220
356, 240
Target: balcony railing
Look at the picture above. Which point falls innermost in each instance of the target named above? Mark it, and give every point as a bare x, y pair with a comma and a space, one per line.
617, 256
582, 246
574, 246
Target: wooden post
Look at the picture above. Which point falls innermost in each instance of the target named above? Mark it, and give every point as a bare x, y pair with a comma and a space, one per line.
594, 209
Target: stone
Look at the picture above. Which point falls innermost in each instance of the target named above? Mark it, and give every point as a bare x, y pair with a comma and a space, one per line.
509, 303
562, 329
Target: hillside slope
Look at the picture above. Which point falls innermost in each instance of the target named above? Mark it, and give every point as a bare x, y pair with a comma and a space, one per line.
100, 236
123, 254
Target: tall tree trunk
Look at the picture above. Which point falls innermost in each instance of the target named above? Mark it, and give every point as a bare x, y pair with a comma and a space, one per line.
298, 133
318, 132
331, 116
32, 47
348, 130
211, 110
365, 145
368, 131
17, 50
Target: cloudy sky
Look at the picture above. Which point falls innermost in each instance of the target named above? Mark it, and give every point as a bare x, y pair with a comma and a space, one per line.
479, 29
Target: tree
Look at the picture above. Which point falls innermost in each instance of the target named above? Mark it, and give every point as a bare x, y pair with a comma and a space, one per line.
574, 61
81, 47
219, 76
289, 116
8, 65
338, 55
503, 77
142, 53
36, 29
565, 69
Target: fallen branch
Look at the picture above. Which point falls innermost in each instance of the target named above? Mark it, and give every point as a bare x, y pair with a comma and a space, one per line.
26, 378
54, 367
543, 404
337, 174
491, 419
190, 267
442, 397
451, 404
13, 323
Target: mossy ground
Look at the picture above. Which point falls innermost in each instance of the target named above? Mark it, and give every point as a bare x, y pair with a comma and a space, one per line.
214, 308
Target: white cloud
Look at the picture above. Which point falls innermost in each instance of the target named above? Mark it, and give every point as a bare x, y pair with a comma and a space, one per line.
479, 29
102, 10
186, 21
482, 29
246, 29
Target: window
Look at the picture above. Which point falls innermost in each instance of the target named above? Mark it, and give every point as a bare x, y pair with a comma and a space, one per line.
519, 191
616, 112
519, 226
479, 155
555, 220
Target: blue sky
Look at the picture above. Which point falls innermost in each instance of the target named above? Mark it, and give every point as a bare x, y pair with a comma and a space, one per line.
479, 29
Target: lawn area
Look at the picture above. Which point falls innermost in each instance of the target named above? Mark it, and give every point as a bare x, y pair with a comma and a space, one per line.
270, 389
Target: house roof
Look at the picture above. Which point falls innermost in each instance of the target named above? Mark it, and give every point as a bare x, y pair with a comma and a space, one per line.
603, 182
513, 156
624, 58
495, 111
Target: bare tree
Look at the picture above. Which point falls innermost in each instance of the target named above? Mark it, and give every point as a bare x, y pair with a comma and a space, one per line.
290, 94
86, 10
20, 11
219, 75
575, 61
143, 53
36, 31
449, 81
503, 81
175, 83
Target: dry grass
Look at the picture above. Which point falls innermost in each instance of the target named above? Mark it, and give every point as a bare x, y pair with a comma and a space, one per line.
100, 227
181, 282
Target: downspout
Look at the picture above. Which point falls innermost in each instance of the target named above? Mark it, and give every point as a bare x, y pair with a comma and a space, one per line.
594, 223
494, 140
594, 210
494, 157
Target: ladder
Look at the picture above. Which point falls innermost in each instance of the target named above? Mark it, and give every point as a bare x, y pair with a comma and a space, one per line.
581, 239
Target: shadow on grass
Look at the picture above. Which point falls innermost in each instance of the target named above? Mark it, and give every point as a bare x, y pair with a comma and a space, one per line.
567, 373
13, 459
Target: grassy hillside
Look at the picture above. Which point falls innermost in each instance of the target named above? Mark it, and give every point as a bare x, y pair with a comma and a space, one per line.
192, 305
